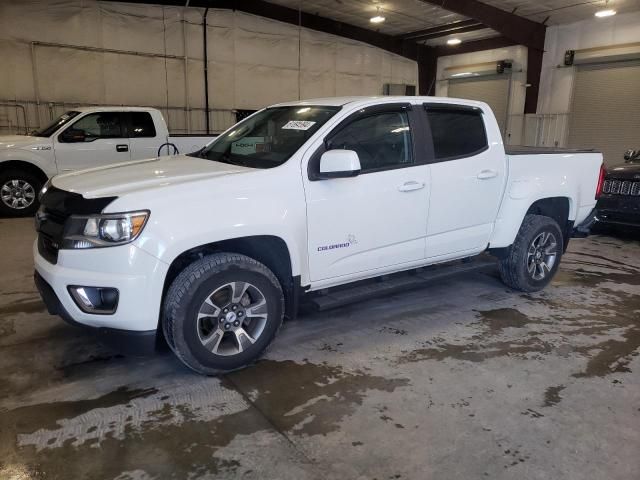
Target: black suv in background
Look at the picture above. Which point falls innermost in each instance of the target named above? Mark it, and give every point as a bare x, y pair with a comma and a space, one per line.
619, 203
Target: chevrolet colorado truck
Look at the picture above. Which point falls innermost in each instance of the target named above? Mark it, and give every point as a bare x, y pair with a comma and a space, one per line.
81, 139
214, 249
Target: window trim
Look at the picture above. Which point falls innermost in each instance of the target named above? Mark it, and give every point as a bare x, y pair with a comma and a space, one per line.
313, 166
128, 124
452, 107
123, 128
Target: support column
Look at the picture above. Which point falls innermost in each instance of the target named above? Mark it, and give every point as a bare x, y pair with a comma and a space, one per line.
534, 71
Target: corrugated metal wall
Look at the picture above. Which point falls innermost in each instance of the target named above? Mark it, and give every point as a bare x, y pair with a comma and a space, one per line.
605, 110
62, 53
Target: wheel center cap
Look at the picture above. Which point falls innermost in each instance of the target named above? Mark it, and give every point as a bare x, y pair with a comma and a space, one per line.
230, 317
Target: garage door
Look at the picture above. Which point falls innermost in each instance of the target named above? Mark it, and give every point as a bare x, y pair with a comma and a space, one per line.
606, 109
493, 90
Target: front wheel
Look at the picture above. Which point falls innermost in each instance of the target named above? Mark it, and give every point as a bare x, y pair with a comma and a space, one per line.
222, 312
534, 258
18, 193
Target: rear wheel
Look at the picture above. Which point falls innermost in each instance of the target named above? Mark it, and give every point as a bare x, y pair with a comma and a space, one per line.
222, 312
534, 257
18, 193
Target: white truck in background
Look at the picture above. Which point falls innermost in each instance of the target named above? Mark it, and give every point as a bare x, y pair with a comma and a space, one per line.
213, 249
80, 139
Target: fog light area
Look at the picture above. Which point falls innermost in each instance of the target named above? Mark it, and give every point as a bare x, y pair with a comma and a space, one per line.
95, 300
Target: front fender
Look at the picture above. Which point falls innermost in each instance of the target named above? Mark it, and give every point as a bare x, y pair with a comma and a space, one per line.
48, 166
187, 216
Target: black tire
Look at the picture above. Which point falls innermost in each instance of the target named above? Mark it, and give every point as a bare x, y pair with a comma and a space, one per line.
24, 178
515, 266
196, 284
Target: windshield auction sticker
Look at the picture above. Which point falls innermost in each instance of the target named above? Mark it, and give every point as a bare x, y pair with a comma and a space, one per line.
298, 125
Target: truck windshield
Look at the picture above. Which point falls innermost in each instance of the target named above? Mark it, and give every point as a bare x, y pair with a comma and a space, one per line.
55, 125
268, 138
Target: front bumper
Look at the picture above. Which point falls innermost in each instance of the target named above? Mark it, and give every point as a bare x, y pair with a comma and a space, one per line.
137, 275
619, 210
125, 341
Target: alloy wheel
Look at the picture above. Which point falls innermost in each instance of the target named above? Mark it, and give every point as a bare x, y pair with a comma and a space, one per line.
17, 194
232, 318
542, 255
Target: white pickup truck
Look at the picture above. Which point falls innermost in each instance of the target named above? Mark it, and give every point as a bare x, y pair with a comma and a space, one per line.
80, 139
214, 249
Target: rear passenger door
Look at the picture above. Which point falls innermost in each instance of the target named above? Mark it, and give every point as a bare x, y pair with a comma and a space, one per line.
377, 219
143, 139
467, 179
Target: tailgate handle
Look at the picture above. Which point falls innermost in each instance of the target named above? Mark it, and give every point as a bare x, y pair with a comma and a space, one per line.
410, 186
487, 174
122, 148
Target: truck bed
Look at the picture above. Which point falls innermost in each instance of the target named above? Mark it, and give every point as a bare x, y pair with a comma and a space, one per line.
523, 150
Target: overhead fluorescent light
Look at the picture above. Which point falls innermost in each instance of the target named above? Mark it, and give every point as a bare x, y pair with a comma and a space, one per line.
454, 41
379, 18
605, 13
463, 74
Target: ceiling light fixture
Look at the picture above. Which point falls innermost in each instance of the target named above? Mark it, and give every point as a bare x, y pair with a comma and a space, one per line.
454, 41
378, 18
605, 13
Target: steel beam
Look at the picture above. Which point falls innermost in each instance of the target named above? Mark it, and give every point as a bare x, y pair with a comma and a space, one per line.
518, 29
443, 30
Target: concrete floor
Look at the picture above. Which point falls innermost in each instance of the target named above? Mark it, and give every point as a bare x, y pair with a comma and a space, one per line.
463, 379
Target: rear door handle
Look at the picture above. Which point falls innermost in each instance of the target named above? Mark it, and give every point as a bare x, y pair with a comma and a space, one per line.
410, 186
487, 174
122, 148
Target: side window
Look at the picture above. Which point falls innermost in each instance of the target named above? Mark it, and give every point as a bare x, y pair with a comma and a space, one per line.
142, 125
381, 140
456, 132
93, 127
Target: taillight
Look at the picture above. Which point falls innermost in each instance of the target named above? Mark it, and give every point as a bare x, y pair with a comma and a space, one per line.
603, 173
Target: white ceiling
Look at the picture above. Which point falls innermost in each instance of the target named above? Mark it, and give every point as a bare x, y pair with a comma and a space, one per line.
403, 16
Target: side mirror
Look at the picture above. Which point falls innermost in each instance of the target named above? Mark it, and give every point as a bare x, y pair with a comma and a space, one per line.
339, 164
73, 136
629, 155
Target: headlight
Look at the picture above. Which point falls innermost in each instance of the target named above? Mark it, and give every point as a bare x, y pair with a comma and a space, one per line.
105, 230
44, 189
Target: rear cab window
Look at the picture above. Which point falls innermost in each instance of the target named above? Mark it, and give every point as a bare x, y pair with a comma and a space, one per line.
141, 125
457, 131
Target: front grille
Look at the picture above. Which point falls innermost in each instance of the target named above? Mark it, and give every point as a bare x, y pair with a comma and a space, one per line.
621, 187
48, 248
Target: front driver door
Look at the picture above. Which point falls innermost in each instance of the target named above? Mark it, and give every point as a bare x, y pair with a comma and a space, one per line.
377, 219
94, 140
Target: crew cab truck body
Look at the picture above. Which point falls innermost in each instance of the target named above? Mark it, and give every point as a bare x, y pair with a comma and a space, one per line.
212, 250
79, 139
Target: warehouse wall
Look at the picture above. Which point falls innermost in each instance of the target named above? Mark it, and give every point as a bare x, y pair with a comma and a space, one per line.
518, 80
80, 52
556, 85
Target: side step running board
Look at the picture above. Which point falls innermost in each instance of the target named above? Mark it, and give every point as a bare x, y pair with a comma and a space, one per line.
375, 288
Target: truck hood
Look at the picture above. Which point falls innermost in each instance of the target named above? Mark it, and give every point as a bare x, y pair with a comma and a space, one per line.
624, 171
119, 179
20, 141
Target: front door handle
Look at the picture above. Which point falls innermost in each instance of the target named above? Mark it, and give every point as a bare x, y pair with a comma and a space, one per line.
122, 148
410, 186
487, 174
